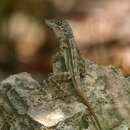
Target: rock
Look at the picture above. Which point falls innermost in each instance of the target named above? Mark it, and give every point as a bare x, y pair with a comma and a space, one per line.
25, 104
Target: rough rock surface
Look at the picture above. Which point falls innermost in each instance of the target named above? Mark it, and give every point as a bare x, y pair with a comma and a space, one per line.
27, 105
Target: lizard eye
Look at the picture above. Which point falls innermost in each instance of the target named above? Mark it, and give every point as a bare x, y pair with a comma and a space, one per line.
59, 22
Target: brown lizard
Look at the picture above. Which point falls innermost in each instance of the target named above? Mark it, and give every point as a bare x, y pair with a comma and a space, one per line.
71, 57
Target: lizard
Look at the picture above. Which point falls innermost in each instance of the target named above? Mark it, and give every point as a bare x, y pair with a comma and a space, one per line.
71, 56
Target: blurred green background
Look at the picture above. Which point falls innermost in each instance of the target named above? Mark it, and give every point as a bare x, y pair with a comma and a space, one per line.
101, 30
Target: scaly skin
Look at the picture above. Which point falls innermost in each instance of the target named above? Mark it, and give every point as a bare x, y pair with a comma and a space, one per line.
71, 57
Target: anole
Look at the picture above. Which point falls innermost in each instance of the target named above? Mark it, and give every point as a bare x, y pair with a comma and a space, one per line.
71, 58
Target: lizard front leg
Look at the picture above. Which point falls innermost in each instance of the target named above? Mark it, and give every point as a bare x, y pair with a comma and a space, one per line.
62, 76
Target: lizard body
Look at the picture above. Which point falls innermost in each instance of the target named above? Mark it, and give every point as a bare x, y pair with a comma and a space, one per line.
71, 57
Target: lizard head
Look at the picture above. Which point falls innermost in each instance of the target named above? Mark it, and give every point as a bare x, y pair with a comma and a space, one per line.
60, 27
